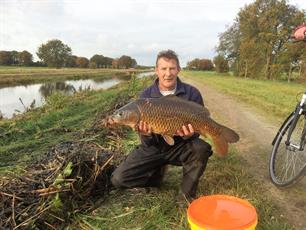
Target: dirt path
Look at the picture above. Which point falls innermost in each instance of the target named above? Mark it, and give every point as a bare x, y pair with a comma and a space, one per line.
256, 134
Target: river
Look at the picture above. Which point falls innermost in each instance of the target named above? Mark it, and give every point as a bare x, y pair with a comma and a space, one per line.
15, 99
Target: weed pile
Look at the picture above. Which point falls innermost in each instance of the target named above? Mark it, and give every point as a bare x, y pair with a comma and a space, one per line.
57, 187
72, 177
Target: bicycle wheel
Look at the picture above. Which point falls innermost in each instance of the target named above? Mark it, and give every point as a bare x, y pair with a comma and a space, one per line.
288, 163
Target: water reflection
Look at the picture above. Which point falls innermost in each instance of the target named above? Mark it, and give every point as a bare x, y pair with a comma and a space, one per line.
18, 98
49, 88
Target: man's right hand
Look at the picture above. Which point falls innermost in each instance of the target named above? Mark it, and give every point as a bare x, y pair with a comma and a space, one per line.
144, 128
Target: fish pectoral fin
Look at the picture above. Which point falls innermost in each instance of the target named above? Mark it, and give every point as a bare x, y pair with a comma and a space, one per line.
168, 139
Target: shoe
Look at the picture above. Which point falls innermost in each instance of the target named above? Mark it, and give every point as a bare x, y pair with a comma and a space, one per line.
137, 190
183, 201
153, 190
143, 190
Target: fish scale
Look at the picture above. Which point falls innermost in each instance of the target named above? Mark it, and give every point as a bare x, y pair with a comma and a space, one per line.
168, 114
165, 118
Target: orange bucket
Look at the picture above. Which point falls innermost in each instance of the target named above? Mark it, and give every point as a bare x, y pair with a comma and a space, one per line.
221, 212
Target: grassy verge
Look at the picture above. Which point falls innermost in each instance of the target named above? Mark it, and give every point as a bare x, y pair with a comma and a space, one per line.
158, 209
28, 136
26, 75
276, 99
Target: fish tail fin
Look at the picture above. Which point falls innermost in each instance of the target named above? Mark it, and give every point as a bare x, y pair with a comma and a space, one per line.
221, 145
229, 135
221, 140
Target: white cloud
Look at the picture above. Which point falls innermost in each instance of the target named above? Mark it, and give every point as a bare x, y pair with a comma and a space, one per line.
113, 28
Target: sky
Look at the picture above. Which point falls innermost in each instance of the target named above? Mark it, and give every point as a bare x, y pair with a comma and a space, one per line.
138, 28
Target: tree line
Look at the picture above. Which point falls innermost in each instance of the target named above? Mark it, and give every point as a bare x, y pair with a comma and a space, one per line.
56, 54
14, 57
259, 45
218, 64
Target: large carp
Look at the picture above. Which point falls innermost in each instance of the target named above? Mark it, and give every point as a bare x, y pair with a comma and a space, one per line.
168, 114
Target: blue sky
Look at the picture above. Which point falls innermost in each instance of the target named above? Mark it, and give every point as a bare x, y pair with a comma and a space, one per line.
137, 28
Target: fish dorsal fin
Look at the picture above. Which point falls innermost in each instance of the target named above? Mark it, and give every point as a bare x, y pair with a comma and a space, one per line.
168, 139
176, 98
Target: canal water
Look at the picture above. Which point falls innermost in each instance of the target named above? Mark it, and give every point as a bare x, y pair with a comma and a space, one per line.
17, 98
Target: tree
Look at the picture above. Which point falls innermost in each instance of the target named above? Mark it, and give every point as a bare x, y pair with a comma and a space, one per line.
125, 62
25, 58
71, 61
206, 64
5, 58
228, 47
82, 62
115, 63
134, 63
257, 40
97, 61
193, 65
200, 64
15, 57
293, 59
108, 62
221, 64
54, 53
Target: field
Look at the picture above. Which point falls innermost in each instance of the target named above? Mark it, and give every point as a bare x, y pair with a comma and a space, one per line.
276, 99
25, 75
29, 136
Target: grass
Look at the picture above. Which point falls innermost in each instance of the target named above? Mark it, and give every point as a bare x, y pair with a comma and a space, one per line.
158, 210
31, 134
276, 99
28, 136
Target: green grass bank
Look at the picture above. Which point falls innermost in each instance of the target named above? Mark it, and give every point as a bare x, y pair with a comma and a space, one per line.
28, 136
275, 99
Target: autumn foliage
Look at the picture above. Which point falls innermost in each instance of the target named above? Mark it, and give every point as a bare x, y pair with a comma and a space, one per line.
200, 64
259, 45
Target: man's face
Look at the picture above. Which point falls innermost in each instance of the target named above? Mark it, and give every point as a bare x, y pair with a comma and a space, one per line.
167, 71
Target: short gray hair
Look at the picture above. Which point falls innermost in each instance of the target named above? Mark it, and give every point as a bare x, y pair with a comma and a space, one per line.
168, 54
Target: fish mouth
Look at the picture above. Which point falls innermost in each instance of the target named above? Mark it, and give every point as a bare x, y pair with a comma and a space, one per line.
110, 120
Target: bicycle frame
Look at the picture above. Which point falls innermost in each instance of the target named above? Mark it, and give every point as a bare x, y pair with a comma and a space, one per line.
303, 137
300, 108
273, 142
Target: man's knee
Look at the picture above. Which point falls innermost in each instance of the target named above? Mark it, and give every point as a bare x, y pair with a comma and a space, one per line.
201, 149
117, 180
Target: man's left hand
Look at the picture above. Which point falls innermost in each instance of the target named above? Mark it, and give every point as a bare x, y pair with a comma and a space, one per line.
186, 131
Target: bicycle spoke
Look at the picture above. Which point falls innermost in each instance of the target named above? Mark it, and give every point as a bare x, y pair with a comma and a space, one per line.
288, 162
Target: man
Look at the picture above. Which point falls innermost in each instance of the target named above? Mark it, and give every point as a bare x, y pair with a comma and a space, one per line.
144, 166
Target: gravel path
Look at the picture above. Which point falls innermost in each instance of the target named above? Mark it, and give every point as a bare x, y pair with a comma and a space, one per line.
256, 134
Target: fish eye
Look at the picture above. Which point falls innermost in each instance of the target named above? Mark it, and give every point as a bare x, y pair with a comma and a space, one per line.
120, 113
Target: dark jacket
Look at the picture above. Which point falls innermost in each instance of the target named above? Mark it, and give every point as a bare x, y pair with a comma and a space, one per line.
184, 91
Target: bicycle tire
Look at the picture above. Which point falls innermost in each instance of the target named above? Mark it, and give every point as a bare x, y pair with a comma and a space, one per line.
287, 166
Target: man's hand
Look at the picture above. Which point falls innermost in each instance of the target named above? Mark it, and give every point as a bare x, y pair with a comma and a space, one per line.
300, 33
144, 128
186, 131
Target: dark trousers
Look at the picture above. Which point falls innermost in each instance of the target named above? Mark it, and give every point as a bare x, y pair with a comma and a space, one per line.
143, 167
